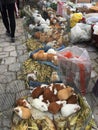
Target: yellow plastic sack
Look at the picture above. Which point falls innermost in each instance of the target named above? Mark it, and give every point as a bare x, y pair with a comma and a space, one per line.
75, 18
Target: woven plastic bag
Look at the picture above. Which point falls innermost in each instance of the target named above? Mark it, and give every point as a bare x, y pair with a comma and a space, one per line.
75, 67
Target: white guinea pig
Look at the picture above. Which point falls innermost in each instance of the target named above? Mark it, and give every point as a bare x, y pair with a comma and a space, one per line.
68, 109
37, 103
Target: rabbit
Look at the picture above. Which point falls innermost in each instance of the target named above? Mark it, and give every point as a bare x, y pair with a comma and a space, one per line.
68, 109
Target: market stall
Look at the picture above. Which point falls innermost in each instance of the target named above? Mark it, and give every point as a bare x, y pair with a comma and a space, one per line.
57, 73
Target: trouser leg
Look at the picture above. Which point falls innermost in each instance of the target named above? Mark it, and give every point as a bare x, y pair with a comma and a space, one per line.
5, 18
11, 9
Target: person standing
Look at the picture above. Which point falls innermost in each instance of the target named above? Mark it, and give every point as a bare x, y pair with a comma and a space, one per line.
8, 17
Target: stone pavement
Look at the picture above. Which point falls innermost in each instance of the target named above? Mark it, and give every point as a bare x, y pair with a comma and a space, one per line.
12, 55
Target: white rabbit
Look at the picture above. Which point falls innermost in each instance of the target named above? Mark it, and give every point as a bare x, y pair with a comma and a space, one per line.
68, 109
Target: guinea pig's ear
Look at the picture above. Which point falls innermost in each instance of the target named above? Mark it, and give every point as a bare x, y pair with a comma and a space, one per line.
35, 72
72, 90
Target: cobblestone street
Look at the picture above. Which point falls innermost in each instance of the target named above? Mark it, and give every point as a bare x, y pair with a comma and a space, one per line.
12, 55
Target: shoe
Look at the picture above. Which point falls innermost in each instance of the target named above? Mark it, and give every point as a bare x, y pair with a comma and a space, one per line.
8, 34
12, 39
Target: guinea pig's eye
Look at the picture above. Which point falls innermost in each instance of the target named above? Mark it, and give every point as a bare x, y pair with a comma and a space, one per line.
16, 110
42, 105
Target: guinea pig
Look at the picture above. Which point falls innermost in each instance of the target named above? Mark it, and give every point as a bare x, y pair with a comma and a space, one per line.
23, 112
65, 93
32, 76
68, 109
39, 104
72, 99
54, 107
54, 76
23, 102
37, 92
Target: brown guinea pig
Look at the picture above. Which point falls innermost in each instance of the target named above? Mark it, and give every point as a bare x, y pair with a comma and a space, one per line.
23, 112
49, 95
37, 35
65, 93
54, 107
37, 92
38, 55
72, 99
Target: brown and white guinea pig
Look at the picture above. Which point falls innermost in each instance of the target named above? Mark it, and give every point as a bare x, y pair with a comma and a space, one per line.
23, 102
58, 86
37, 92
54, 107
65, 93
23, 112
54, 76
72, 99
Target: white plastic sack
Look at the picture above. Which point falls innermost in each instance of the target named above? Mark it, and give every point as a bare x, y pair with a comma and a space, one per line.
92, 20
80, 32
76, 70
95, 28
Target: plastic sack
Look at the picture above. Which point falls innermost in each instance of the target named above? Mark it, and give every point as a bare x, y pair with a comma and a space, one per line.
92, 20
95, 89
75, 18
80, 32
95, 28
75, 68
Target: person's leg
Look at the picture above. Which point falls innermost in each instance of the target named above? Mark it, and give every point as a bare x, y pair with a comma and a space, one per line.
5, 18
11, 14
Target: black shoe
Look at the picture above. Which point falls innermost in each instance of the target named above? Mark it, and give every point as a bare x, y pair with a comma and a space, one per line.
12, 39
8, 34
